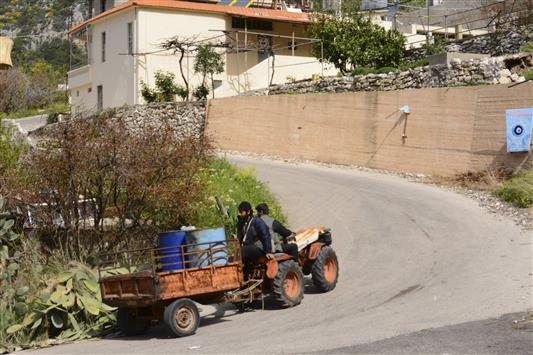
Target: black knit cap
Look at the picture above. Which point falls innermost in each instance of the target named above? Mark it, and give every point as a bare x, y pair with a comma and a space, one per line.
262, 207
245, 206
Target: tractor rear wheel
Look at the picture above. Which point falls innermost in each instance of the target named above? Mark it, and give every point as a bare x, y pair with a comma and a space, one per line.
325, 270
182, 317
288, 285
129, 322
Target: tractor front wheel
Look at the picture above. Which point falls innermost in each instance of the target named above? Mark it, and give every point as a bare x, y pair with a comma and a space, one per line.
182, 317
288, 285
325, 270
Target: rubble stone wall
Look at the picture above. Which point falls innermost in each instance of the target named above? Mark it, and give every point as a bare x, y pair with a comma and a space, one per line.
460, 73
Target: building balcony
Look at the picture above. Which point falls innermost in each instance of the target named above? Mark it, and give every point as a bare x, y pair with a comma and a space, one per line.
80, 77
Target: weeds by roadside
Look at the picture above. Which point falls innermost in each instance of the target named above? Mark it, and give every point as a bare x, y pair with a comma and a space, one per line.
518, 190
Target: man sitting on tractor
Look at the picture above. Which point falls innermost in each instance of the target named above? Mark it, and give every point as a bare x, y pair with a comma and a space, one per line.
278, 232
253, 235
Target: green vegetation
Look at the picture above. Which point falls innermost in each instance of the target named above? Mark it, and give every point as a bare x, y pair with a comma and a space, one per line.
355, 41
528, 74
528, 47
518, 190
9, 150
165, 88
232, 185
438, 46
54, 108
207, 62
42, 296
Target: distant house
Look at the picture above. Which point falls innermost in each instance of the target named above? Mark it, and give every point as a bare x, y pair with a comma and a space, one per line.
123, 44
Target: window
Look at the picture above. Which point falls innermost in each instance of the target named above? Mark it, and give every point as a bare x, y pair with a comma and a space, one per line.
130, 38
251, 24
103, 5
100, 98
103, 47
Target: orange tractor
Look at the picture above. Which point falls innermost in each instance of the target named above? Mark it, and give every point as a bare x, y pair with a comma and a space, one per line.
153, 290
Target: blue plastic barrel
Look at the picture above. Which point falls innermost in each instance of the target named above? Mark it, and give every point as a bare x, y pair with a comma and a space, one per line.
216, 238
167, 240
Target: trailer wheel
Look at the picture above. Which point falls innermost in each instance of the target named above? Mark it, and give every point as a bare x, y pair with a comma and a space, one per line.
288, 285
182, 317
325, 270
129, 322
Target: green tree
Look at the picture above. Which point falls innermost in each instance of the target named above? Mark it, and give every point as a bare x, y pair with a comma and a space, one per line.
208, 62
353, 40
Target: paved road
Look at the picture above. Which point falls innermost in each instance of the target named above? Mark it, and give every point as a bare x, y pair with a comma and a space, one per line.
412, 257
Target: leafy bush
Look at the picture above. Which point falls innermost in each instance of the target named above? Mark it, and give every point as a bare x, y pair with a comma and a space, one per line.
354, 40
134, 181
165, 88
149, 95
518, 190
437, 46
232, 185
201, 92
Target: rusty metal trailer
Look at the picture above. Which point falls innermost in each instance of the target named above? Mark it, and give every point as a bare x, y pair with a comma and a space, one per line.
139, 283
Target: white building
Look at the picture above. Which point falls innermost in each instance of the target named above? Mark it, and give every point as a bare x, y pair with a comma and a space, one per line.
123, 40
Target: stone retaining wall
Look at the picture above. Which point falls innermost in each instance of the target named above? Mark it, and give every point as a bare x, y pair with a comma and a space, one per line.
460, 73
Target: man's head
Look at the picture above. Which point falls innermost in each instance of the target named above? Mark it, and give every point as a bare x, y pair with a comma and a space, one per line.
262, 209
245, 209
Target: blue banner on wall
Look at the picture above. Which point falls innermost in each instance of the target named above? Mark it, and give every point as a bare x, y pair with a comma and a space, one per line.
519, 123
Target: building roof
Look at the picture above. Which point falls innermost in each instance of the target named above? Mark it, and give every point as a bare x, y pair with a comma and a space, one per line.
267, 14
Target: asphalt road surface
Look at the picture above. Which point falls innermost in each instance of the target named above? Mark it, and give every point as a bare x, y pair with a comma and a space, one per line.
412, 257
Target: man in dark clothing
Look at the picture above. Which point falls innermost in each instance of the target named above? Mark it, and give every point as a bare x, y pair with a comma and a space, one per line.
278, 232
253, 235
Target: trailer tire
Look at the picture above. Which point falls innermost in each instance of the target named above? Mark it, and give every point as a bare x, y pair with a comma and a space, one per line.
288, 285
129, 323
182, 317
325, 270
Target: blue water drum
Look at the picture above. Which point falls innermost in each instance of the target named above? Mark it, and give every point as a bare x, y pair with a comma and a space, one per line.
215, 238
171, 240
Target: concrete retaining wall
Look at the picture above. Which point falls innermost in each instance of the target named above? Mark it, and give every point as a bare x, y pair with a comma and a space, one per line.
449, 130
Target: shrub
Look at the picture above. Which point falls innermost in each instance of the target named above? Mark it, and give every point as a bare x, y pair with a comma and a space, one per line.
232, 185
201, 92
165, 88
10, 150
149, 95
518, 190
135, 181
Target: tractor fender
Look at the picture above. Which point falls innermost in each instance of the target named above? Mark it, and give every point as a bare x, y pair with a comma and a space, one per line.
271, 268
314, 249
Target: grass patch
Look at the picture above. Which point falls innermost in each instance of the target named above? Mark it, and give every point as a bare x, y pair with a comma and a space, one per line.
528, 47
232, 185
53, 108
517, 190
528, 74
